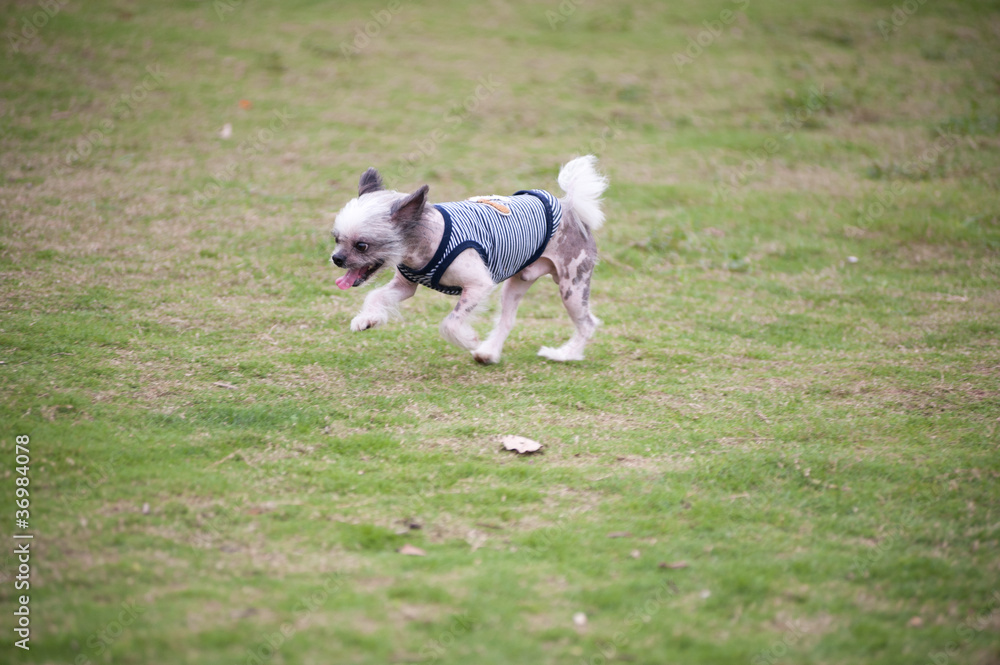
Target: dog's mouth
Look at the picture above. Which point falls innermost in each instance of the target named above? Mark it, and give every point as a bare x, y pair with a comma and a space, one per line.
358, 276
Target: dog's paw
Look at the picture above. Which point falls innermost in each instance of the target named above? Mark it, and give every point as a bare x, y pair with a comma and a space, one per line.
486, 358
487, 353
359, 323
560, 354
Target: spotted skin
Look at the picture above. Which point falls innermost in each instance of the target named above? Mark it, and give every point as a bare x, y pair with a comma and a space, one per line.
570, 259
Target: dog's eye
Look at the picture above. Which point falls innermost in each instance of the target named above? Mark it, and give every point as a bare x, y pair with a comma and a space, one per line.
361, 247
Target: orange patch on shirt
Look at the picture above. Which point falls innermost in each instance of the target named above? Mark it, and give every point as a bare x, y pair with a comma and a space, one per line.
499, 207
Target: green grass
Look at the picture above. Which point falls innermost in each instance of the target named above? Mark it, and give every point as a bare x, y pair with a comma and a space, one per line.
814, 438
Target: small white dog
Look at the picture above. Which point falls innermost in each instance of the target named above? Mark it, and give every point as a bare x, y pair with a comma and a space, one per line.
466, 248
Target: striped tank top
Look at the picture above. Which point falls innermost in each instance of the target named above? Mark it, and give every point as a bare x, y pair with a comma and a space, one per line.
509, 232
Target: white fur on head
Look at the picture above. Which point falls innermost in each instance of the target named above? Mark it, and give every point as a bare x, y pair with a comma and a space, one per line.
361, 211
584, 186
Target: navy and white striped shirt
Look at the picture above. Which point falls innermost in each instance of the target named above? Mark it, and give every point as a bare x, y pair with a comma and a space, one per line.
509, 232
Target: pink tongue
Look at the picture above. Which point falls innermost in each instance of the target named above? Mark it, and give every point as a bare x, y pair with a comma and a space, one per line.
347, 281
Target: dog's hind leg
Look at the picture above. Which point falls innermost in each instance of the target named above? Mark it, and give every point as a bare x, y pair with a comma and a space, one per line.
574, 288
513, 291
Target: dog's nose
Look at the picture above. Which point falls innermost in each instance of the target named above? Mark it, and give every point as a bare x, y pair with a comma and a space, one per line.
337, 261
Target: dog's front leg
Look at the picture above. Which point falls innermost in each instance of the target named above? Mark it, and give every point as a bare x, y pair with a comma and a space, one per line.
469, 271
380, 304
456, 326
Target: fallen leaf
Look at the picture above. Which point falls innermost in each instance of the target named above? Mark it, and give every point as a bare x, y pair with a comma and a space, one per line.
520, 444
411, 550
226, 132
674, 565
145, 509
635, 554
620, 534
915, 622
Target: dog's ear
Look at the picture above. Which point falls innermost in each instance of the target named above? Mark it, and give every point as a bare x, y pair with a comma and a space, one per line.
408, 211
371, 181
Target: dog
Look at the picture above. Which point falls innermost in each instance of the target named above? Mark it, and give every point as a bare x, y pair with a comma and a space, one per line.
466, 248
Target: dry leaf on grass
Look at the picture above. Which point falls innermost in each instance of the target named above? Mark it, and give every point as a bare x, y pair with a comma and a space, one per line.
674, 565
520, 444
411, 550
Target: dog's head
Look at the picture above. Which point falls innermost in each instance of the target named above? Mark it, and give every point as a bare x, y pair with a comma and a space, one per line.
372, 230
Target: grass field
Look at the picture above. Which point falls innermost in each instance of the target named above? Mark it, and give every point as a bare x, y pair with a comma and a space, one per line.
782, 447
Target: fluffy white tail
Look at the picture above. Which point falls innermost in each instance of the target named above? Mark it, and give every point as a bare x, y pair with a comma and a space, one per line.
583, 186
